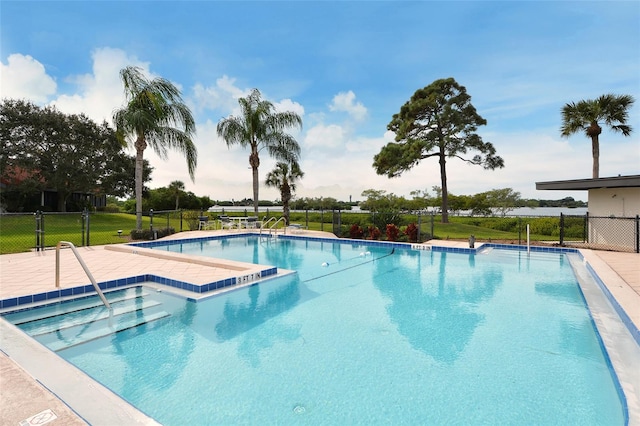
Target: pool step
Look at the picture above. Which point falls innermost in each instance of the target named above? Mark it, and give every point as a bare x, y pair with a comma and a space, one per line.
82, 333
71, 322
70, 306
75, 318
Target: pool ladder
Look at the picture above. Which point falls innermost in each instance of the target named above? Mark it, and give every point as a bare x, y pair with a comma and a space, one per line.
84, 266
273, 230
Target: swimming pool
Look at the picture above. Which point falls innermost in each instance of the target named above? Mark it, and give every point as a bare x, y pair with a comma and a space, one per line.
364, 334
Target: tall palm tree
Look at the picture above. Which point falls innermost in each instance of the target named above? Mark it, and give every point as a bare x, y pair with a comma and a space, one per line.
156, 116
261, 127
284, 177
176, 188
587, 115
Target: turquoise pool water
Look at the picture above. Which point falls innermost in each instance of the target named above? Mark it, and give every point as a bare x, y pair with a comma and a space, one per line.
362, 335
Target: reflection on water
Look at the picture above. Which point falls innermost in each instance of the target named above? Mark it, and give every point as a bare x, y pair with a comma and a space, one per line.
238, 318
241, 317
435, 313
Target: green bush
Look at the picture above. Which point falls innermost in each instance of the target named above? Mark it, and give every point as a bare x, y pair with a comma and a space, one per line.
544, 226
381, 219
145, 234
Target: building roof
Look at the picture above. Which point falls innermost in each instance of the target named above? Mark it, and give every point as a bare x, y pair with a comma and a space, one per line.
632, 181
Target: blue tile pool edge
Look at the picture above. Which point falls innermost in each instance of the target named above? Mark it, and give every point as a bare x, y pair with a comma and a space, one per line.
55, 295
626, 320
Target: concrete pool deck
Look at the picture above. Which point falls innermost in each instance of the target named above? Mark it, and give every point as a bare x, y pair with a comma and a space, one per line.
23, 396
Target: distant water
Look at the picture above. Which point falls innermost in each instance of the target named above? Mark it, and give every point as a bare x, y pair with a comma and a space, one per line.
521, 211
548, 211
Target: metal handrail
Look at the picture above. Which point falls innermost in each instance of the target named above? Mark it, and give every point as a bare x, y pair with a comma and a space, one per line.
84, 266
276, 224
271, 228
263, 225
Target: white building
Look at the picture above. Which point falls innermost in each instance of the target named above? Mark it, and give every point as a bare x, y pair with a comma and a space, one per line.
614, 208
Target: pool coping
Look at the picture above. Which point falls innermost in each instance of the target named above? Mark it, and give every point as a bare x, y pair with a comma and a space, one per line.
632, 410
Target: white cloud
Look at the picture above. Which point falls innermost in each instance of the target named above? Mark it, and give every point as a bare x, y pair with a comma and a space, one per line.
100, 92
345, 101
324, 137
25, 78
222, 96
289, 105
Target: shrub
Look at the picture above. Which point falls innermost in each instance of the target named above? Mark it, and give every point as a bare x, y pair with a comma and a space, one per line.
374, 233
545, 226
193, 219
356, 231
411, 232
392, 232
109, 208
145, 234
381, 219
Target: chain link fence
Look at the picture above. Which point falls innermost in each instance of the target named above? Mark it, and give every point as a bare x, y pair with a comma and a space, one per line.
20, 232
603, 233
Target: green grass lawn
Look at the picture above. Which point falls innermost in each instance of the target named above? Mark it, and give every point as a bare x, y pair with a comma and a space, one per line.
17, 232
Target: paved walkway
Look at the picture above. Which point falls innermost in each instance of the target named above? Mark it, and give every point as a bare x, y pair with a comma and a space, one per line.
31, 273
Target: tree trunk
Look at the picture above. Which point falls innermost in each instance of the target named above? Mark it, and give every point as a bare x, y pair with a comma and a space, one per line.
285, 194
140, 146
594, 131
443, 183
254, 161
595, 151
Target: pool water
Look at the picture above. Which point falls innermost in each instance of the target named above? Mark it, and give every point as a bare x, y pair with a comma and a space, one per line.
366, 335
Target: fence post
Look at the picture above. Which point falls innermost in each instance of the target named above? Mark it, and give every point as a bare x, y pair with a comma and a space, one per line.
561, 229
337, 222
637, 233
306, 215
519, 230
180, 220
419, 225
82, 224
585, 231
432, 220
39, 230
85, 227
151, 222
321, 219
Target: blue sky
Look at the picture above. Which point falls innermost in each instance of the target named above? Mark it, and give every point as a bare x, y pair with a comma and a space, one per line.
346, 67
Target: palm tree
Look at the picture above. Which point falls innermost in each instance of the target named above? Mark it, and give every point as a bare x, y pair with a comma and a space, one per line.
261, 127
284, 177
585, 116
156, 116
176, 188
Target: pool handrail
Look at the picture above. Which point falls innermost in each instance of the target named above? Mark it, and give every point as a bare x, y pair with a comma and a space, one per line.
84, 266
273, 226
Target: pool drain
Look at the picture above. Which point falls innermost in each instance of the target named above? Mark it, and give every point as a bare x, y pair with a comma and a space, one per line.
299, 409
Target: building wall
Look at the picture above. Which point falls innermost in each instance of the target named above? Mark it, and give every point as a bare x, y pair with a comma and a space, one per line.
612, 213
617, 202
